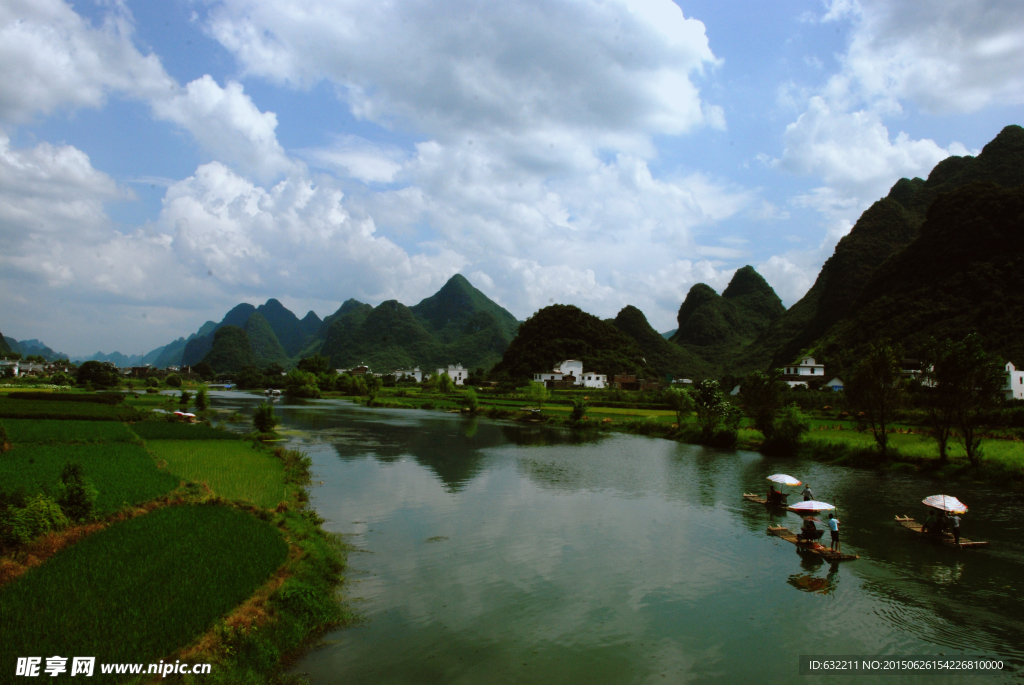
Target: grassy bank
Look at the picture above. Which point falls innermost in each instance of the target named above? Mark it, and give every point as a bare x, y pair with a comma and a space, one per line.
234, 470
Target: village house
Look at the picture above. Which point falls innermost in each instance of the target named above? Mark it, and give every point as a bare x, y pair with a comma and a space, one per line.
360, 370
569, 374
415, 374
799, 373
624, 381
1014, 389
456, 372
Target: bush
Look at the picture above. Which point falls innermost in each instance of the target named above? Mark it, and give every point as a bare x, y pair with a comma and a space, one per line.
470, 401
37, 516
61, 378
263, 418
75, 494
173, 381
579, 409
302, 384
185, 397
202, 400
787, 432
152, 382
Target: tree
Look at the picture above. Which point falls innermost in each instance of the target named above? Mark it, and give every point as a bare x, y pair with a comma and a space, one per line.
373, 386
75, 494
202, 400
98, 373
301, 384
173, 380
936, 394
470, 401
185, 397
975, 381
680, 402
710, 405
263, 418
537, 393
204, 370
318, 363
762, 397
579, 409
445, 384
61, 378
876, 389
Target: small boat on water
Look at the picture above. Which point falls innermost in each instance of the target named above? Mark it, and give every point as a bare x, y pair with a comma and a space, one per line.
269, 392
943, 538
811, 546
760, 499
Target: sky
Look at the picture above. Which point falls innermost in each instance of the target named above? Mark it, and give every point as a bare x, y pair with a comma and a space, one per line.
162, 162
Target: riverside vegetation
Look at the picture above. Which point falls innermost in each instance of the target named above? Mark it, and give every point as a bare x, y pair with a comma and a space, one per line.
150, 540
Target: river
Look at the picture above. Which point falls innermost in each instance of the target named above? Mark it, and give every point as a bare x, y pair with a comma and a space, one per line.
492, 552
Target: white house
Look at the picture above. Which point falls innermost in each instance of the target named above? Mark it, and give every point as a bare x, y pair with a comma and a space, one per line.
456, 373
406, 373
836, 384
1014, 389
800, 373
572, 369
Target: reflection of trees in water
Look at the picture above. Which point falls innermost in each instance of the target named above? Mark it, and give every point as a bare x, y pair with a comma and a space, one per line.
542, 436
451, 448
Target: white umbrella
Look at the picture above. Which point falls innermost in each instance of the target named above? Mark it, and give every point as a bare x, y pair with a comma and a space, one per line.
783, 479
946, 503
811, 505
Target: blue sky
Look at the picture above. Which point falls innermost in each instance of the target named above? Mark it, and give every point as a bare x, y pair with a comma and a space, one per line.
161, 162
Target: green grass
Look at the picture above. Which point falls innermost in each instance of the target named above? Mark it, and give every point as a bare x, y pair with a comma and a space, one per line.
1008, 454
36, 430
165, 430
139, 590
122, 472
85, 411
233, 470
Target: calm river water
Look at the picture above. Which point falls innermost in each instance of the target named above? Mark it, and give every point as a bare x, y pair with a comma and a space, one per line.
491, 552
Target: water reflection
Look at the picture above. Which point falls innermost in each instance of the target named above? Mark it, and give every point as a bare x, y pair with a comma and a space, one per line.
560, 557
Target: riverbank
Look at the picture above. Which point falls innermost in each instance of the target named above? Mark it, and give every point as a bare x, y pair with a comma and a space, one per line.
200, 550
832, 438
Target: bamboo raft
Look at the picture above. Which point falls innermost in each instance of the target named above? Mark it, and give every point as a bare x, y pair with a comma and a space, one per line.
751, 497
811, 547
943, 539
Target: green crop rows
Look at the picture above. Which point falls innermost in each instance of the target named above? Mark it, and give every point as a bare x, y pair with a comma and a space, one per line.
164, 430
140, 589
35, 430
122, 472
233, 470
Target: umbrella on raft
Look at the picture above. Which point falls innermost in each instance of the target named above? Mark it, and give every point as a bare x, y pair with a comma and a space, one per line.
783, 479
810, 506
946, 503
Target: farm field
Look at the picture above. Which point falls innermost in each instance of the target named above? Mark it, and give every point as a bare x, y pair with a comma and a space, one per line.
43, 409
164, 430
141, 589
233, 470
49, 430
122, 472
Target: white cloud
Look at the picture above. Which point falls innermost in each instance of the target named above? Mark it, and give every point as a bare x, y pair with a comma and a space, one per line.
54, 59
227, 123
357, 157
955, 56
614, 67
46, 189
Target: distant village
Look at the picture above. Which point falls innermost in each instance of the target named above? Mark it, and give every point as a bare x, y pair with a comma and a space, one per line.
565, 375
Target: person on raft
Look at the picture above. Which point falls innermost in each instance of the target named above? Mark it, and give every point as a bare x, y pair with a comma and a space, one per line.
807, 531
774, 497
833, 525
954, 525
808, 495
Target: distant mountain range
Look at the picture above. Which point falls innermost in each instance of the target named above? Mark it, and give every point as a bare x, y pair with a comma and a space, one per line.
30, 348
942, 256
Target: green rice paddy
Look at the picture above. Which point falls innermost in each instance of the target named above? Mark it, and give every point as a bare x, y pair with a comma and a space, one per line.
139, 590
233, 470
34, 430
84, 411
166, 430
123, 473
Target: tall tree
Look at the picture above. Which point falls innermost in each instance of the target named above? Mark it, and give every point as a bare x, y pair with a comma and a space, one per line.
762, 397
937, 395
876, 389
977, 380
710, 405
